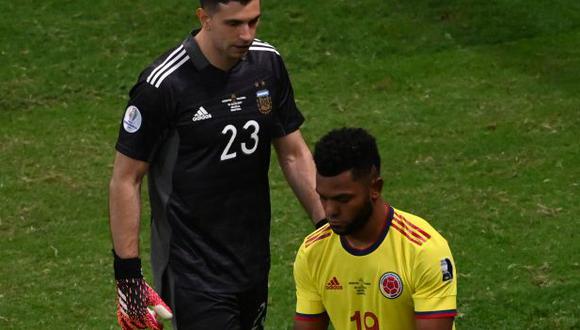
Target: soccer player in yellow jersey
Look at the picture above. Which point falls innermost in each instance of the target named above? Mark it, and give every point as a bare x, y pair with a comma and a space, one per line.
372, 266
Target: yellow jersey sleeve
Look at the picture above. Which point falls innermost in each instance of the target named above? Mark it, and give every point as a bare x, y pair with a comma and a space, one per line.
435, 280
308, 299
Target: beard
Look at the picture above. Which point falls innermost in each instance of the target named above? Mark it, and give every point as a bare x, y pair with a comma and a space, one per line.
362, 217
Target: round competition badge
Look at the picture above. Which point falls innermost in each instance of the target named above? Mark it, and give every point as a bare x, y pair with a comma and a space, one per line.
391, 285
132, 119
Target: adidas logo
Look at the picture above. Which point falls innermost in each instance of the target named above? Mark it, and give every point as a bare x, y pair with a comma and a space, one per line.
201, 114
333, 284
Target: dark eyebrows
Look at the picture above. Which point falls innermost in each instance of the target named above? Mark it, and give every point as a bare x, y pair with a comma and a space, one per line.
235, 22
339, 197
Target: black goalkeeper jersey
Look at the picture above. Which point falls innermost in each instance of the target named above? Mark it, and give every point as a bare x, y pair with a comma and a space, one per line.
207, 134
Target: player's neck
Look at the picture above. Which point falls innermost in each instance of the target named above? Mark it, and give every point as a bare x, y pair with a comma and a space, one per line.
213, 55
372, 230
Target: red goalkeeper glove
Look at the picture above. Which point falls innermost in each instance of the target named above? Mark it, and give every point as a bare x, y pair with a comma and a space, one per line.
135, 296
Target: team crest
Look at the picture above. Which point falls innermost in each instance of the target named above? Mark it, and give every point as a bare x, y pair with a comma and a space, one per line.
391, 285
264, 101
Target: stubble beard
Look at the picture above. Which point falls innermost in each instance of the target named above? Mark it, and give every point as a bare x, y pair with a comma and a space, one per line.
359, 221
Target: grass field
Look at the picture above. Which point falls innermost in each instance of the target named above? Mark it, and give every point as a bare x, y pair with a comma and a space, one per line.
476, 106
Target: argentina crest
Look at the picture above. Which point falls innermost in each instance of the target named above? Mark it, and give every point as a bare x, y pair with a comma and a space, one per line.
264, 101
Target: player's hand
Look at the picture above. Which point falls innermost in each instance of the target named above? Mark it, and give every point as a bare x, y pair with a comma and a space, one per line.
138, 305
134, 298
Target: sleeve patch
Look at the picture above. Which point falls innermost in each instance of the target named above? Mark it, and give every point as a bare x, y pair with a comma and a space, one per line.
132, 119
447, 269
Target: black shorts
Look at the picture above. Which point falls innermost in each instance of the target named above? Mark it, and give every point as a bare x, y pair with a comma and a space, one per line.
194, 310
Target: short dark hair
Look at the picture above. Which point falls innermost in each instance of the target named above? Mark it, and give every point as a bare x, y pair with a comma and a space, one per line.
211, 5
346, 149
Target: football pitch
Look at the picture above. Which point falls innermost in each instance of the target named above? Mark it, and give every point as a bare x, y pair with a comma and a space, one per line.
475, 105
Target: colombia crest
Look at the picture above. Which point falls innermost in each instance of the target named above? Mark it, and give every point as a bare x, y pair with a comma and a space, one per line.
391, 285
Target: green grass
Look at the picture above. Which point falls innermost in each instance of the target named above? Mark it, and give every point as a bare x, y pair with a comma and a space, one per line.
475, 105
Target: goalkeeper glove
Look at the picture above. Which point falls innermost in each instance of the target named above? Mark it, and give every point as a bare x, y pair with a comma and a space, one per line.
135, 296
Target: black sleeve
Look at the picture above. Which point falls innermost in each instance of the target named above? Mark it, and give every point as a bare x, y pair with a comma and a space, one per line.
288, 116
144, 122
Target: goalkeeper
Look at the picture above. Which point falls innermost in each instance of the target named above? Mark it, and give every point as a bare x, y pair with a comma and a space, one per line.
200, 123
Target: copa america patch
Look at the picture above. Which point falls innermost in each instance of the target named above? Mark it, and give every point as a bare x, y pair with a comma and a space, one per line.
447, 269
132, 119
391, 285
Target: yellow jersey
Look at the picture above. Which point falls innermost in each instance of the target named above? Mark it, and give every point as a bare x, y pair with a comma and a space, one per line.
408, 273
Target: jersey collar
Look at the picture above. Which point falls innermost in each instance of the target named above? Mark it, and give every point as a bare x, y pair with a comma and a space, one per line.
370, 249
211, 76
202, 64
192, 48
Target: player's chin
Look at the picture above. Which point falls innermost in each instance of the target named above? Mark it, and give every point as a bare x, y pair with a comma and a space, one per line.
240, 51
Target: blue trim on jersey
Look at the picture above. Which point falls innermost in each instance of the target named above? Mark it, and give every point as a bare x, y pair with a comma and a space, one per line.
448, 311
370, 249
311, 316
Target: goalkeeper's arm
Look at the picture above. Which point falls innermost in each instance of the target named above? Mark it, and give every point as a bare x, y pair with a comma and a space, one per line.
125, 204
134, 295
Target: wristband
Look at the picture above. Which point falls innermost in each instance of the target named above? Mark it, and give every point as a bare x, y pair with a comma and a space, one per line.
127, 268
321, 223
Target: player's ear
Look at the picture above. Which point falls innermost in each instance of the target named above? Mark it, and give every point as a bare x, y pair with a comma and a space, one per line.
203, 17
376, 187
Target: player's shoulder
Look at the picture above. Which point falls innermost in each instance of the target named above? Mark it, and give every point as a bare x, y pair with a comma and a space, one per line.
266, 56
166, 67
317, 238
263, 48
415, 230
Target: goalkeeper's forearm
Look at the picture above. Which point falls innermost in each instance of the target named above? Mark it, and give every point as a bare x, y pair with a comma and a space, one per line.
124, 216
124, 213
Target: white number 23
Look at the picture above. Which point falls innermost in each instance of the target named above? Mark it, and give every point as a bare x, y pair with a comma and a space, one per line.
248, 150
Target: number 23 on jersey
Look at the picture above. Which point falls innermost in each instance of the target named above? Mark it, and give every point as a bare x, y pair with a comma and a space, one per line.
248, 147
